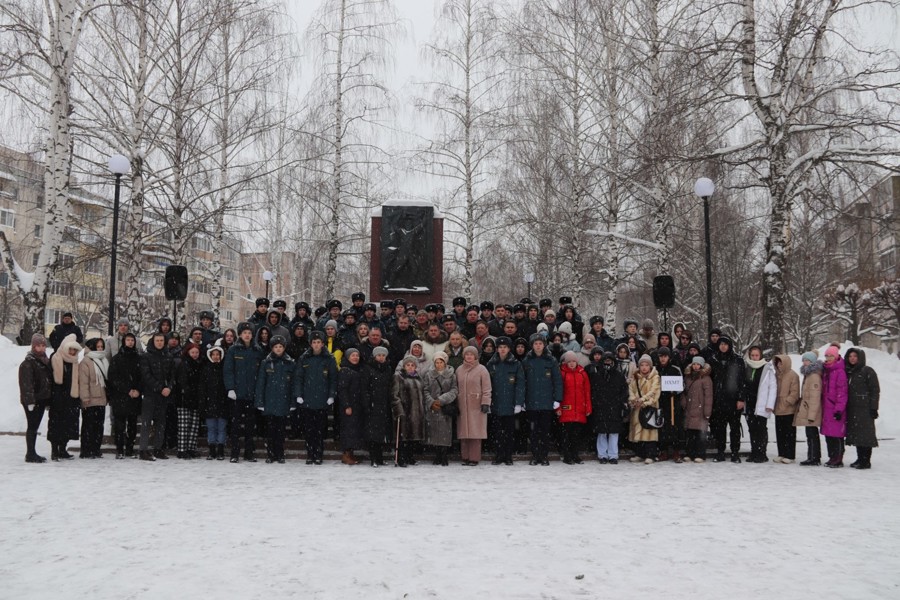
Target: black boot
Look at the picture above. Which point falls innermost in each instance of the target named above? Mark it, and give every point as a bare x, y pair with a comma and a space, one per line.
220, 452
212, 452
31, 455
63, 453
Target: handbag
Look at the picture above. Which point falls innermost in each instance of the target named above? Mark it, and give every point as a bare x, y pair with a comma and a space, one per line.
450, 410
651, 418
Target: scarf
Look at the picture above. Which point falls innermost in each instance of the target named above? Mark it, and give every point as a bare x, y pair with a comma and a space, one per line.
101, 366
755, 364
62, 355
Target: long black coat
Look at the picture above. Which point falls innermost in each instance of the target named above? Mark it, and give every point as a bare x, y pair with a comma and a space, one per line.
728, 380
190, 383
214, 400
64, 409
609, 398
863, 395
377, 379
350, 395
124, 376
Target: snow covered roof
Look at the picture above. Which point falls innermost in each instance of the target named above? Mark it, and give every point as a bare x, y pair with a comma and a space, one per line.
376, 212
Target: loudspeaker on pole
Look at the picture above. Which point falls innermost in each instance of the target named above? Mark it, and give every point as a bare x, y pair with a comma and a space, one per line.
176, 282
663, 291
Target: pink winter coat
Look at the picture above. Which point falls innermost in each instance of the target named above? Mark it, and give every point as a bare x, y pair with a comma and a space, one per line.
834, 399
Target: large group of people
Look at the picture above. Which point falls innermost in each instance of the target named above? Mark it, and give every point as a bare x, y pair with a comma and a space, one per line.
523, 378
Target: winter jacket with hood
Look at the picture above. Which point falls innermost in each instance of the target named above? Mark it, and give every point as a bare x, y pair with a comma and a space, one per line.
728, 378
124, 376
863, 394
809, 414
788, 387
214, 400
35, 377
576, 403
190, 382
697, 398
609, 398
834, 399
158, 371
766, 391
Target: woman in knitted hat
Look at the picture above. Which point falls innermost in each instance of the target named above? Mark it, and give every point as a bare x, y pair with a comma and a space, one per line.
697, 401
350, 401
65, 404
92, 375
440, 390
35, 378
643, 392
809, 414
474, 385
408, 407
834, 406
377, 380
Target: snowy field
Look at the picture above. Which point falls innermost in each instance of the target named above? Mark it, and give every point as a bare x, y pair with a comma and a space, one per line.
175, 529
127, 529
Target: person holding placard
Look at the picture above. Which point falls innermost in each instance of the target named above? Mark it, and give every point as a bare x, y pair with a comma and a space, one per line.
671, 434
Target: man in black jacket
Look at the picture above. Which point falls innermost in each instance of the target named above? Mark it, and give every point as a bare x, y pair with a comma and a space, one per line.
64, 328
728, 398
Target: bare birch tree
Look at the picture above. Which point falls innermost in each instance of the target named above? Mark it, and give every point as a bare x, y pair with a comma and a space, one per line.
43, 47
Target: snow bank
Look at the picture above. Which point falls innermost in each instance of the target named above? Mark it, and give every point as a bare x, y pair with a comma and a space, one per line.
11, 416
376, 212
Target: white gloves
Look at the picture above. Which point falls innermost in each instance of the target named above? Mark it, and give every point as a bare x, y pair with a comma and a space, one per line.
260, 409
555, 405
517, 409
232, 394
30, 407
330, 401
299, 400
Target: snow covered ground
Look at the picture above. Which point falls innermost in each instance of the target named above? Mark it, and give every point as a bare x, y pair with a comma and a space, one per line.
128, 529
174, 529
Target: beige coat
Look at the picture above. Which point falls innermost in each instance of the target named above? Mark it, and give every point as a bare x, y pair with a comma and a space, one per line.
809, 412
89, 389
474, 385
644, 389
788, 387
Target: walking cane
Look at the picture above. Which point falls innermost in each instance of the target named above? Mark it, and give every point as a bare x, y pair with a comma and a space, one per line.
397, 445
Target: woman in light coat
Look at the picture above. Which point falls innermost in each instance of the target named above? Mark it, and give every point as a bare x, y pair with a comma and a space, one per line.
93, 371
474, 383
809, 413
440, 390
643, 391
785, 407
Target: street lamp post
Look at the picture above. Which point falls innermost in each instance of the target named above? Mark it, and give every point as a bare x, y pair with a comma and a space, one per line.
704, 188
529, 279
118, 165
268, 276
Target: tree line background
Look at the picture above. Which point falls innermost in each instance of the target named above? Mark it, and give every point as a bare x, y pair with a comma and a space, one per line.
558, 137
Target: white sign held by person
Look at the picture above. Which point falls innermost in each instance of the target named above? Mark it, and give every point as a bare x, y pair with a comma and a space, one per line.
672, 383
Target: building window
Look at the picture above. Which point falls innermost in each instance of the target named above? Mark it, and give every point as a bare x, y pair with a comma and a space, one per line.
71, 234
229, 295
7, 218
93, 267
229, 316
4, 280
66, 261
37, 231
52, 316
35, 258
8, 189
200, 243
61, 288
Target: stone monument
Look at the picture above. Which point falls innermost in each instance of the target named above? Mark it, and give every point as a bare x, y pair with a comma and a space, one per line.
407, 249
